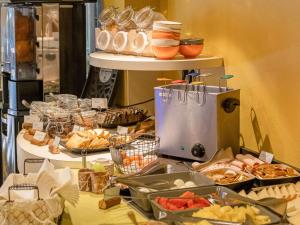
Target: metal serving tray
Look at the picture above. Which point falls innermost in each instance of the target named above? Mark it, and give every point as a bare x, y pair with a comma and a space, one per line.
279, 180
237, 185
222, 192
140, 198
88, 150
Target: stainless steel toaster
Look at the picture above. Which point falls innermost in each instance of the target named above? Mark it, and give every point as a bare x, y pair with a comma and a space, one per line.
195, 121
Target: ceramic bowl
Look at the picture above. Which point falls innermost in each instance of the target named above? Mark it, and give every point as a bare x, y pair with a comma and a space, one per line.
165, 35
190, 51
172, 25
165, 52
164, 42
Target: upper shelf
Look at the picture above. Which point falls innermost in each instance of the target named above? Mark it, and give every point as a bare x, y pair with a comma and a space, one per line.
129, 62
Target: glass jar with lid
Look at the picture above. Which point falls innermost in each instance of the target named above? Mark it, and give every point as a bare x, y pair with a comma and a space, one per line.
144, 19
104, 36
127, 29
86, 119
85, 104
59, 124
107, 18
67, 101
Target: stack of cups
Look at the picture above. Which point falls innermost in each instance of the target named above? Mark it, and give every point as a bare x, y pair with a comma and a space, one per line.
165, 39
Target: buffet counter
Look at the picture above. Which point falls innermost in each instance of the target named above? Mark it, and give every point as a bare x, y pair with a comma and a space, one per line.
64, 159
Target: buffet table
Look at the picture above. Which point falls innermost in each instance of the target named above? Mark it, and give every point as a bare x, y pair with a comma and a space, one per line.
86, 212
64, 159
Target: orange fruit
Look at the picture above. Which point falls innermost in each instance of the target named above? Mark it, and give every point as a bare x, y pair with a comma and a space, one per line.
126, 161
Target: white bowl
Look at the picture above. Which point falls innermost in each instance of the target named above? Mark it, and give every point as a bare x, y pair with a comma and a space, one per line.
164, 42
168, 24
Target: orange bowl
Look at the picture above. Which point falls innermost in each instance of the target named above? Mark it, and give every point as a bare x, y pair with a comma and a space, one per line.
168, 52
190, 51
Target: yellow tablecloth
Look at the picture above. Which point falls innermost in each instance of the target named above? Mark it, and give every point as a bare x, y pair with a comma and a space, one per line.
86, 212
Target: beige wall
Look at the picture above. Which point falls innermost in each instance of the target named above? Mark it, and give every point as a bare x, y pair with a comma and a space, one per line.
260, 41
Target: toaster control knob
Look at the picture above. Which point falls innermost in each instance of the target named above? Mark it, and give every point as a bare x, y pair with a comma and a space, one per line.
198, 150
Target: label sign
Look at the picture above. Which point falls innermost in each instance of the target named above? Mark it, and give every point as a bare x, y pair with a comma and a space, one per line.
266, 156
39, 136
76, 128
122, 130
31, 119
99, 103
56, 141
38, 126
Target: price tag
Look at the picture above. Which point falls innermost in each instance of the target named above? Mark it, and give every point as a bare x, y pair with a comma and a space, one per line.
38, 126
101, 118
81, 128
266, 156
76, 128
122, 130
56, 141
99, 103
39, 136
31, 119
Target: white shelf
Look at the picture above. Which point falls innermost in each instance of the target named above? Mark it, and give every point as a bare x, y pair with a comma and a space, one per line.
128, 62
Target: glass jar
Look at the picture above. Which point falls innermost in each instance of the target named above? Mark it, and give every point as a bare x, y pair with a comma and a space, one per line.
85, 104
104, 40
145, 17
67, 101
107, 18
59, 124
125, 20
86, 119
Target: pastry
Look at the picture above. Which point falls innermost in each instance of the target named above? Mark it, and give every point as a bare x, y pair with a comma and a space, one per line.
28, 136
52, 148
77, 141
40, 143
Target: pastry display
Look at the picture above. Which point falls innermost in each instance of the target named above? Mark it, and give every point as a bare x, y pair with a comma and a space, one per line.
89, 139
233, 214
227, 176
271, 171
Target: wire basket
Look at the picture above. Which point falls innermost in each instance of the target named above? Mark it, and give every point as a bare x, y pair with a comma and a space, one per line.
132, 153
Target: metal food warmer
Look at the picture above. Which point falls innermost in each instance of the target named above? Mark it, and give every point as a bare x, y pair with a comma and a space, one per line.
195, 121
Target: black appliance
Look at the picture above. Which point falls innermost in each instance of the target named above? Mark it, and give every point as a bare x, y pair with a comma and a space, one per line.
43, 49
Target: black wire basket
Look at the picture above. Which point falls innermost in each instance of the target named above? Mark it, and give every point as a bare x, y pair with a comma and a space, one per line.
131, 153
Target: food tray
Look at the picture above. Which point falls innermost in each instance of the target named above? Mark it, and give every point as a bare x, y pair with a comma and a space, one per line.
88, 150
237, 185
279, 180
140, 198
222, 191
